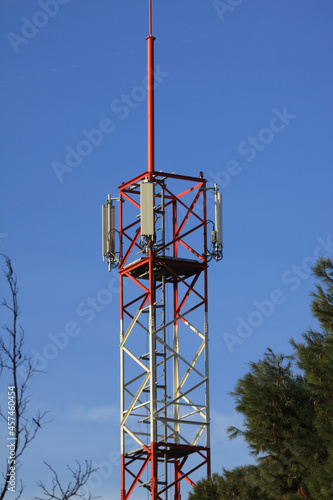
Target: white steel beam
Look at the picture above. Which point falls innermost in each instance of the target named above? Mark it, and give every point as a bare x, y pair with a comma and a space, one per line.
129, 329
180, 396
134, 436
177, 355
187, 323
196, 439
195, 359
136, 359
136, 397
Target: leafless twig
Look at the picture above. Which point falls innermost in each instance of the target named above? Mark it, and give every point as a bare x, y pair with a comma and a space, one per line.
12, 361
79, 478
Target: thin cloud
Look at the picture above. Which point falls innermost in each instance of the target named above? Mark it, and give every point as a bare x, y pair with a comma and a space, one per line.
95, 414
227, 453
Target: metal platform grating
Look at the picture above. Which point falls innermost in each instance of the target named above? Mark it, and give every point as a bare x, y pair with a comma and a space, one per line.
164, 266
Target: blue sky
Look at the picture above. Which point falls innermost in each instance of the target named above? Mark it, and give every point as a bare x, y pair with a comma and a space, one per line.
244, 94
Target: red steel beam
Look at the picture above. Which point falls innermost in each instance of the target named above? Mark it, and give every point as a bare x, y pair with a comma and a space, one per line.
190, 289
190, 249
130, 199
130, 248
156, 176
131, 225
137, 478
178, 176
189, 212
180, 279
177, 199
135, 180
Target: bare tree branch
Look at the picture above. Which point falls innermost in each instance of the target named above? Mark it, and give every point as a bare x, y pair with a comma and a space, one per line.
57, 491
18, 368
12, 358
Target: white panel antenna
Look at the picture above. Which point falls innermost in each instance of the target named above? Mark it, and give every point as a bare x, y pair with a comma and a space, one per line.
218, 218
108, 232
217, 234
147, 209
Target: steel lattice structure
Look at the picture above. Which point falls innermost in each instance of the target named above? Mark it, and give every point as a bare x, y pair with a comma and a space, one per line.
164, 368
166, 419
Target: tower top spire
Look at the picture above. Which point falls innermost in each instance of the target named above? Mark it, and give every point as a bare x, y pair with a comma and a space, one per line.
150, 18
150, 94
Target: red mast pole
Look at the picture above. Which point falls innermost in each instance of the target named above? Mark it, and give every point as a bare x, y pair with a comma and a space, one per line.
151, 167
150, 95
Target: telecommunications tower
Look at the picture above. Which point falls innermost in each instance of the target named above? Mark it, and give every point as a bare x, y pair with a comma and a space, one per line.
161, 249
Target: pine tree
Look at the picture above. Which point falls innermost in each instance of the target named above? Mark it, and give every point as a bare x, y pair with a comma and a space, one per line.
236, 483
287, 404
278, 425
315, 358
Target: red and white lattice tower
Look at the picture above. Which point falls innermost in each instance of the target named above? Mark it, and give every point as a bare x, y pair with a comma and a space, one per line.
162, 262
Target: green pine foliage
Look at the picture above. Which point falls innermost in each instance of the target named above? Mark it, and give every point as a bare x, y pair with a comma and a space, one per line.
236, 483
287, 405
207, 489
315, 358
278, 425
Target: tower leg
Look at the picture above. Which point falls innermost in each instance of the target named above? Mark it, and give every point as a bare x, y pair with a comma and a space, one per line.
153, 480
177, 485
122, 491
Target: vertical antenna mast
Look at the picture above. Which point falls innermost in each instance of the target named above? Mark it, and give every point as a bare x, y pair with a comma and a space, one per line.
164, 393
150, 94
